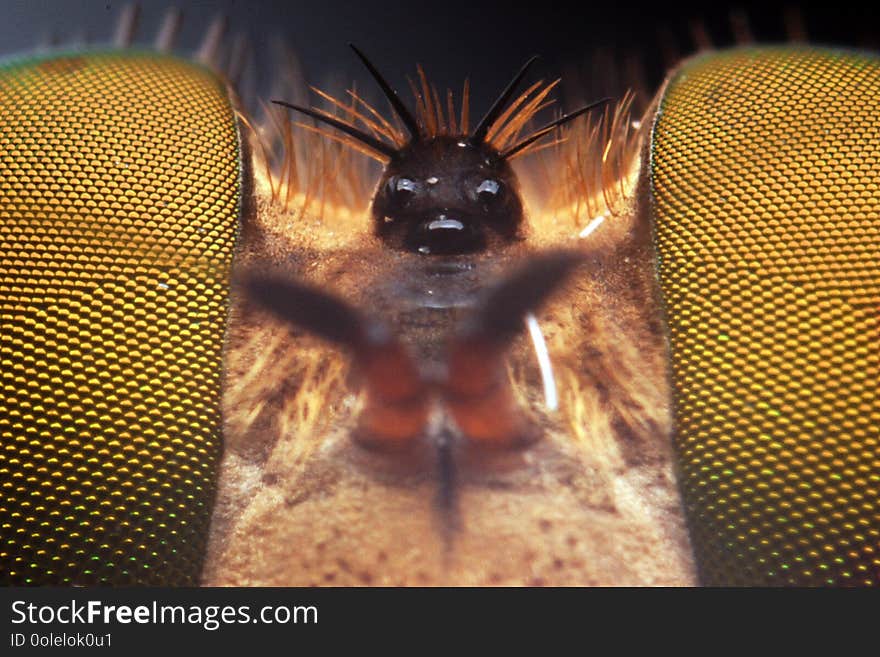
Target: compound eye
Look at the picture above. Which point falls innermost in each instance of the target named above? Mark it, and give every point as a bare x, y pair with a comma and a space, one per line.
488, 190
401, 189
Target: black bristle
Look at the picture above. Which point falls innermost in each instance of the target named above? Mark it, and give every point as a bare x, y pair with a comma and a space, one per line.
376, 144
479, 133
547, 129
408, 119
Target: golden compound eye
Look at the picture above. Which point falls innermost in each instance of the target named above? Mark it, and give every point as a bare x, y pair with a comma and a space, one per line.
110, 382
767, 227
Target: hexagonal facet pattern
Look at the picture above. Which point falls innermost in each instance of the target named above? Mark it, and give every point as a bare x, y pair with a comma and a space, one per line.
119, 199
766, 191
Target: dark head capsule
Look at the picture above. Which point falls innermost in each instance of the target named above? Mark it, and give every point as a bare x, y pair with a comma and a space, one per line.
446, 190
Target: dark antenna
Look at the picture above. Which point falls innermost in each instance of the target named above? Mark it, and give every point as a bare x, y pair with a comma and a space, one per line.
364, 138
494, 112
404, 114
545, 130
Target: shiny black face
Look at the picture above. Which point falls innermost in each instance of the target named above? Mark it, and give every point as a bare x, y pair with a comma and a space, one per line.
446, 196
443, 194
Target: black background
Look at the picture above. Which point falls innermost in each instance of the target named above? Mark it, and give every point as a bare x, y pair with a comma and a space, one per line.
485, 40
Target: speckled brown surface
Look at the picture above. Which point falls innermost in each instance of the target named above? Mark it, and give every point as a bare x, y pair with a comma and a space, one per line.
594, 502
